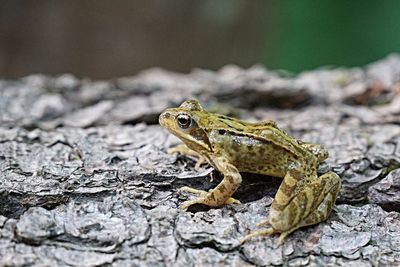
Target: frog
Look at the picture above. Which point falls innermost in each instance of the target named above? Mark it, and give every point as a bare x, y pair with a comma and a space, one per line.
233, 146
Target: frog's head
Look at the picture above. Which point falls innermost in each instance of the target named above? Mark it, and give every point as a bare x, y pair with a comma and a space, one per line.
185, 122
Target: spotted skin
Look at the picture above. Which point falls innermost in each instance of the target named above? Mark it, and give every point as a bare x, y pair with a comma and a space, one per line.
232, 146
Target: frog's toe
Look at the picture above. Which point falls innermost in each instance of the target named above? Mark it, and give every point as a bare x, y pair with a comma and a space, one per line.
204, 201
175, 150
188, 189
200, 161
186, 205
263, 223
232, 200
268, 231
189, 203
282, 237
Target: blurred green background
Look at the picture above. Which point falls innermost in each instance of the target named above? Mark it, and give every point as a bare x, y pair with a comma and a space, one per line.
338, 33
106, 39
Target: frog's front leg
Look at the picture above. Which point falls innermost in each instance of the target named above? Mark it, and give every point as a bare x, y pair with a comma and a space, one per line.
202, 193
299, 203
222, 193
184, 150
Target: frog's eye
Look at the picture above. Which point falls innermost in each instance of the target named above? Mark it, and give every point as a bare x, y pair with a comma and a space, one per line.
184, 121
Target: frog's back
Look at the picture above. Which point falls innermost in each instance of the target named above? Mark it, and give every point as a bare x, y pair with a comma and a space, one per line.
296, 146
258, 147
265, 151
252, 155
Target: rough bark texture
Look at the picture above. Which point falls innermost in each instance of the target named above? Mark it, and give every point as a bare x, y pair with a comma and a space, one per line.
85, 179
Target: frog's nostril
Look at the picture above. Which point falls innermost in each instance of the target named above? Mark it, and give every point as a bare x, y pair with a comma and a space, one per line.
166, 115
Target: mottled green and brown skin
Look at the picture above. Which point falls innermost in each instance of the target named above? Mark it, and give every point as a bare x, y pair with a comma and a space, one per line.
232, 146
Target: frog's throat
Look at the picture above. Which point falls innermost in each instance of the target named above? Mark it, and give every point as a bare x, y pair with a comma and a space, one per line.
195, 144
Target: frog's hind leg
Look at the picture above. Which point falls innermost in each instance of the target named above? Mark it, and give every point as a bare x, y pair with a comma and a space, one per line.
312, 204
298, 206
331, 183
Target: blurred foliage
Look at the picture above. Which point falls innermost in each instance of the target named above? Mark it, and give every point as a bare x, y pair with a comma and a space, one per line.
338, 33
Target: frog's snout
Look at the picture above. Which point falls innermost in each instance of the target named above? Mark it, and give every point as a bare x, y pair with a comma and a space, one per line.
164, 118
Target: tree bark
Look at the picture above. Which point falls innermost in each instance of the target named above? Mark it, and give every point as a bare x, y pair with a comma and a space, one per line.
85, 179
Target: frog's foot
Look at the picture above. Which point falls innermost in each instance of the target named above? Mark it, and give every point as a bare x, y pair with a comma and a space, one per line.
264, 232
184, 150
268, 231
203, 199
